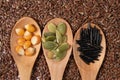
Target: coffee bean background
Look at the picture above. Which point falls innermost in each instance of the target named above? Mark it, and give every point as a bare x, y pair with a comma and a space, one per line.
104, 13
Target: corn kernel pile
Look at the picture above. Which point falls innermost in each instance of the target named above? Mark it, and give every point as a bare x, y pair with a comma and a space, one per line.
27, 40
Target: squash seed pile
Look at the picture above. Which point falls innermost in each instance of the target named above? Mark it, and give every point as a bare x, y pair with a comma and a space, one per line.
55, 41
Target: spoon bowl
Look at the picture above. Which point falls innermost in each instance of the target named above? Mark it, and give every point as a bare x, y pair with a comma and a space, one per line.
88, 72
24, 63
57, 68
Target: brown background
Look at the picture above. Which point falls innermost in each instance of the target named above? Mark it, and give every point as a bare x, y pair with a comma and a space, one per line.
105, 13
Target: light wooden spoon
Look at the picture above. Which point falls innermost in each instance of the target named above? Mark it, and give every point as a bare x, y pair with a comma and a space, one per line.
24, 63
57, 68
88, 72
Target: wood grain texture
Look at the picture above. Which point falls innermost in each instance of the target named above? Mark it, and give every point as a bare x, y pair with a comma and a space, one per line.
24, 63
88, 72
57, 68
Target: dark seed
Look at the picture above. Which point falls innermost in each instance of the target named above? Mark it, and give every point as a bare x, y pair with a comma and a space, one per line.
90, 40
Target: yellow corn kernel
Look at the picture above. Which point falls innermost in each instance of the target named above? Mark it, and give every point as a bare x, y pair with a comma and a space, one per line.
19, 31
30, 27
27, 44
27, 35
21, 41
17, 48
20, 50
35, 40
30, 51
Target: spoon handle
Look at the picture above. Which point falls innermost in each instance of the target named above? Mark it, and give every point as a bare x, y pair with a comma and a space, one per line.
88, 75
57, 71
24, 72
88, 78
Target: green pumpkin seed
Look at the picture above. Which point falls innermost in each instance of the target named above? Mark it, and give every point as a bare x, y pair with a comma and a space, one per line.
64, 38
50, 45
46, 34
50, 55
52, 27
54, 51
58, 37
43, 39
61, 27
60, 56
63, 47
50, 38
55, 41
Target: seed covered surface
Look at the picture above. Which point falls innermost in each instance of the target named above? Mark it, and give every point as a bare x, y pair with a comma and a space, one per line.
104, 13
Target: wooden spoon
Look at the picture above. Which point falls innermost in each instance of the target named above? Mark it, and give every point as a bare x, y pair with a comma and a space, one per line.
88, 72
57, 68
24, 63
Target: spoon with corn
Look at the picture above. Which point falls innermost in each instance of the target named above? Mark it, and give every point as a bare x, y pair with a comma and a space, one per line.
25, 45
57, 68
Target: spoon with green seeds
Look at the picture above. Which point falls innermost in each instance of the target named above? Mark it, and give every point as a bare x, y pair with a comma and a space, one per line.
57, 39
